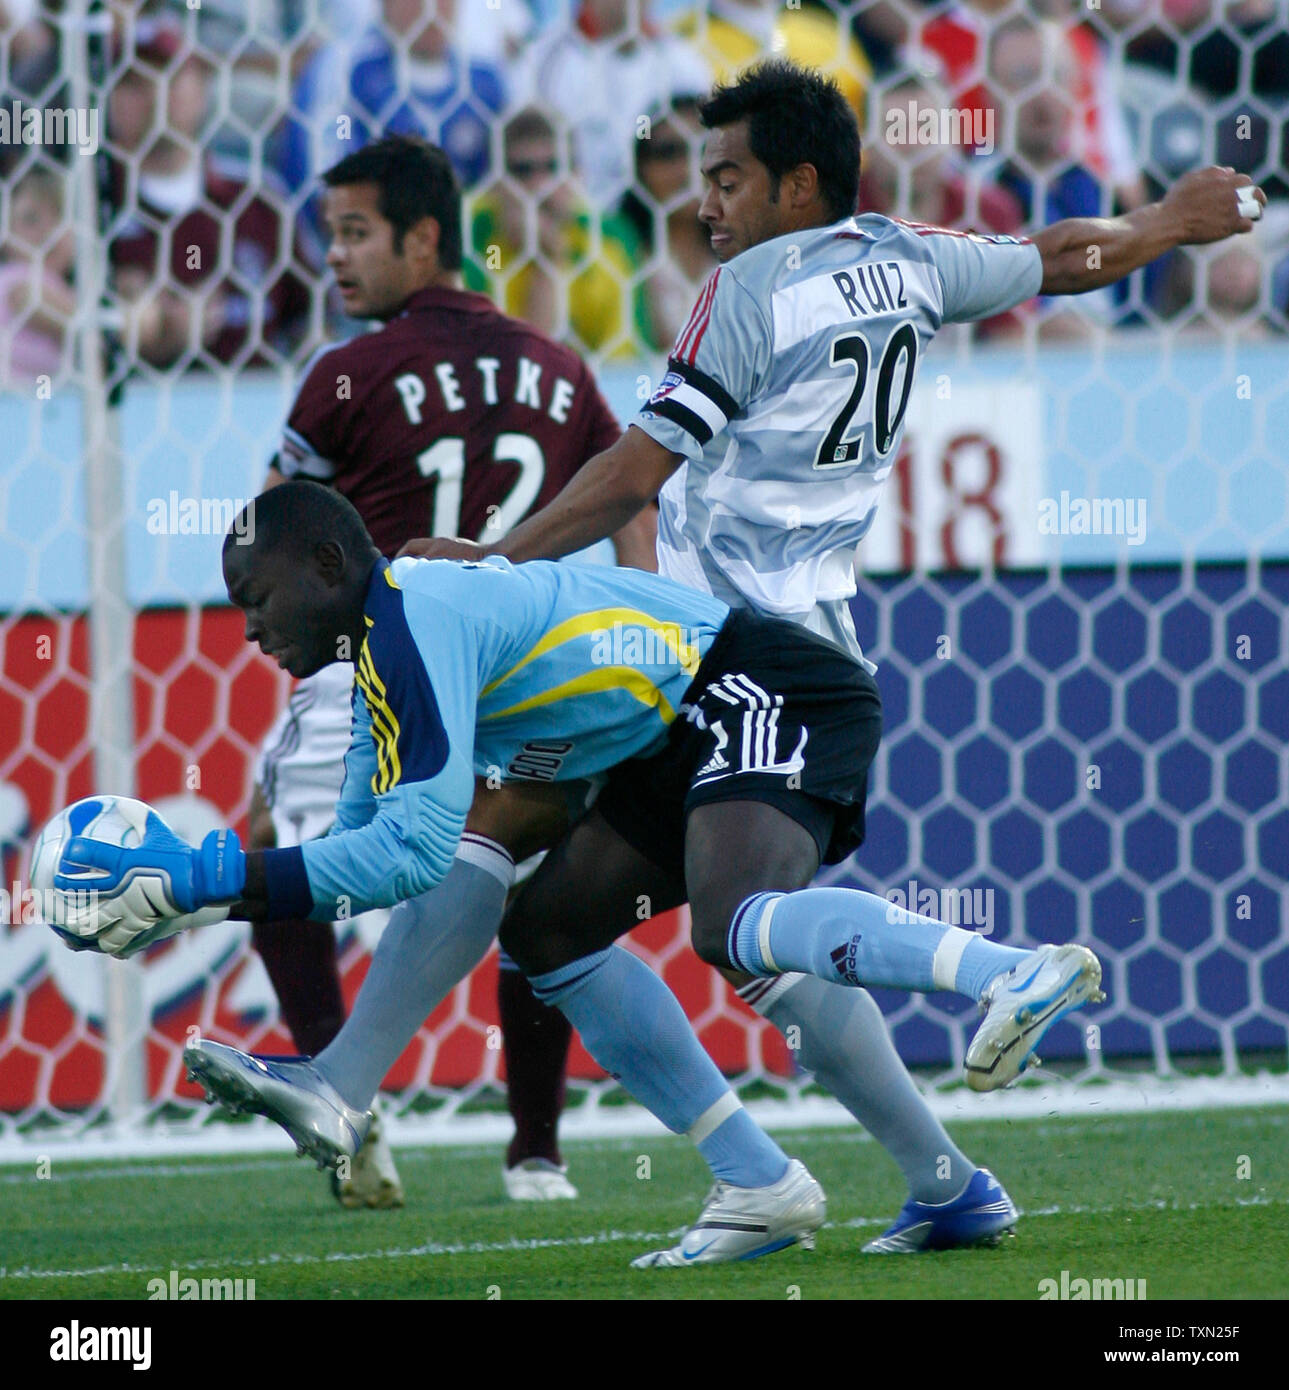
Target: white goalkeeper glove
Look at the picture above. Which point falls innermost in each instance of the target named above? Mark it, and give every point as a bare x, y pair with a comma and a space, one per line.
120, 901
124, 925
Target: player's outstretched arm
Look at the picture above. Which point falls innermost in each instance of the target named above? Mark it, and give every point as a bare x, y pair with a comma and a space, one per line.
1085, 253
636, 544
600, 500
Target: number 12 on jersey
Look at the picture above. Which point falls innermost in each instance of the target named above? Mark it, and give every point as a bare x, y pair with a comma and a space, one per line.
444, 461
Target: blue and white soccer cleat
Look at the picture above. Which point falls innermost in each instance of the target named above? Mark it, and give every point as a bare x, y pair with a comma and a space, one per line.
286, 1089
1022, 1004
978, 1215
740, 1223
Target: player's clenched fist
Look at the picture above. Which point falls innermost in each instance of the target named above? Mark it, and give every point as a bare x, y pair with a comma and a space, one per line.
1209, 204
441, 548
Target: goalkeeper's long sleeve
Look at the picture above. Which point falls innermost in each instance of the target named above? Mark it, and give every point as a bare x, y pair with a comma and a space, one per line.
404, 850
544, 671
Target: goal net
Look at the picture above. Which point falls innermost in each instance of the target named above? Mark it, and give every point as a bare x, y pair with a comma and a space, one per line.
1075, 589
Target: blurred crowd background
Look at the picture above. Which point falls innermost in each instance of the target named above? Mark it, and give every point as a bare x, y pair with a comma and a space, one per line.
573, 127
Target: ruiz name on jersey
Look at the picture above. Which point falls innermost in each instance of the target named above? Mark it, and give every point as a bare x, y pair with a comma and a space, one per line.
881, 284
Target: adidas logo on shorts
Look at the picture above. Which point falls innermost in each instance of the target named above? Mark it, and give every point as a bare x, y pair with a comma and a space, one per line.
718, 762
715, 763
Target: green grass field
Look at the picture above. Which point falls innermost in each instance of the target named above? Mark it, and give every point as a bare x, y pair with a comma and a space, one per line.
1159, 1198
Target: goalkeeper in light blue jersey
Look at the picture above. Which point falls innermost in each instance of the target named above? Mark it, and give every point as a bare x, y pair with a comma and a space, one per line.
735, 749
547, 672
537, 673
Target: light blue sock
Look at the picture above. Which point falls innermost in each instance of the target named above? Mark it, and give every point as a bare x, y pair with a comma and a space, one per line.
429, 945
850, 937
844, 1042
631, 1023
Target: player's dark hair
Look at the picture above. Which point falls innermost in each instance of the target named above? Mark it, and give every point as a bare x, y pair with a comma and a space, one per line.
794, 116
299, 515
415, 180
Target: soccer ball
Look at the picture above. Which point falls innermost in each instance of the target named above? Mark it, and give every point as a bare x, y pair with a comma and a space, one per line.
116, 820
83, 923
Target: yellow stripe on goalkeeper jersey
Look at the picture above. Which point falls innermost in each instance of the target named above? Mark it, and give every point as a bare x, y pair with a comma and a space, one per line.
602, 621
384, 723
591, 682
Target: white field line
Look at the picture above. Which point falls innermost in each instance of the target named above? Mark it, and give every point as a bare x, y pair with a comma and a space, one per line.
20, 1176
1146, 1095
203, 1166
498, 1247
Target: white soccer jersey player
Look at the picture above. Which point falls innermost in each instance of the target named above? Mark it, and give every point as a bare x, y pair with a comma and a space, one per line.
786, 392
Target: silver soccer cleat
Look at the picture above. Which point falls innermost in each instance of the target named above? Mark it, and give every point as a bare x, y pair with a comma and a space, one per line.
286, 1089
1021, 1005
740, 1223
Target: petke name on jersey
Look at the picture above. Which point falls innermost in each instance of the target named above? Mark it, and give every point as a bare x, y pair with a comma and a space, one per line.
483, 384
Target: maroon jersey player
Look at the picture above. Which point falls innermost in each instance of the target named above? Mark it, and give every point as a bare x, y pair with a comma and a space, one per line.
454, 418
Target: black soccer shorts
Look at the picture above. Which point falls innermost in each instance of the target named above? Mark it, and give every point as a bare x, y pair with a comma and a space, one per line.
774, 714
